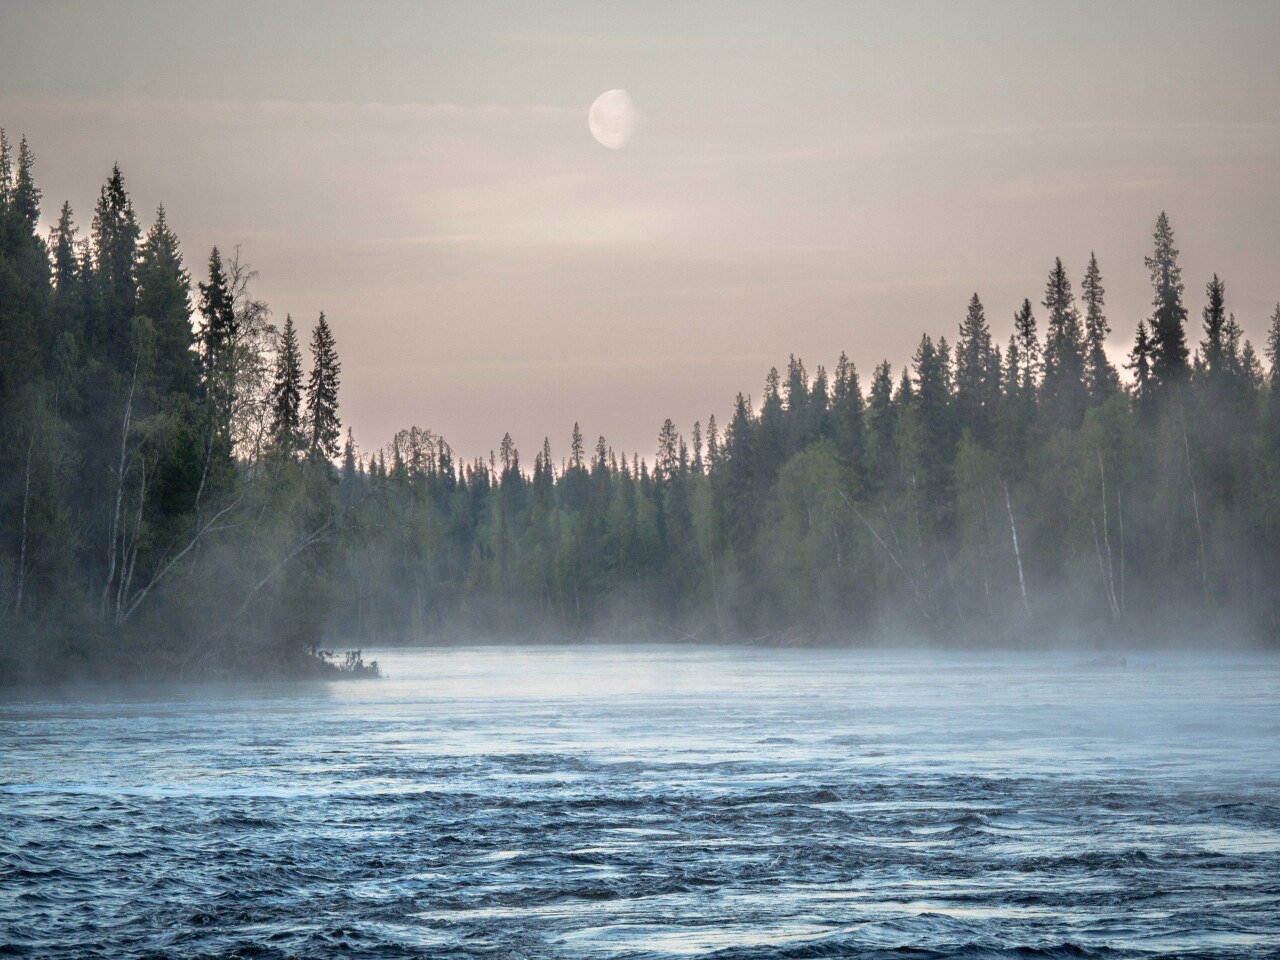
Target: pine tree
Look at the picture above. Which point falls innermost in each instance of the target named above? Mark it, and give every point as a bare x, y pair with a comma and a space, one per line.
286, 393
1065, 393
164, 297
1169, 351
698, 466
323, 425
1099, 374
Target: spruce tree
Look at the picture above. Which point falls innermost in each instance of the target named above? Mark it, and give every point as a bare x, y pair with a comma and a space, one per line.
977, 384
576, 450
1273, 381
115, 279
323, 426
26, 195
63, 334
664, 466
1169, 351
1213, 348
1064, 387
164, 297
1099, 373
6, 172
713, 443
936, 450
217, 310
1028, 343
846, 417
1140, 363
286, 393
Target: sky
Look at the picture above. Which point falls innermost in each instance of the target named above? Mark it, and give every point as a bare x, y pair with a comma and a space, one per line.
804, 178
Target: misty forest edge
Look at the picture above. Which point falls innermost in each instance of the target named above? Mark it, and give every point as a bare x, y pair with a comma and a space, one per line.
176, 498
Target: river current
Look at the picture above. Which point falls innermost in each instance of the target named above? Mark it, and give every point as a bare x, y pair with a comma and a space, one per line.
656, 802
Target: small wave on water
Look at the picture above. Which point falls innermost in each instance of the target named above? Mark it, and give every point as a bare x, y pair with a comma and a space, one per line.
914, 807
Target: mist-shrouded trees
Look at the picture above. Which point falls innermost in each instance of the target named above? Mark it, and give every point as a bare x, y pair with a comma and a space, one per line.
286, 393
323, 426
177, 498
1168, 350
1100, 375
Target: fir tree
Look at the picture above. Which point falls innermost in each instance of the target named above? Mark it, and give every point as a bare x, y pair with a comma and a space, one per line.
323, 425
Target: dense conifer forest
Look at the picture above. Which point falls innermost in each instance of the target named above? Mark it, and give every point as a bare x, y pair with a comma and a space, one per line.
178, 496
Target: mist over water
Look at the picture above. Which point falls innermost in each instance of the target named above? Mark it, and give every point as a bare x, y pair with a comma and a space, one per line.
655, 801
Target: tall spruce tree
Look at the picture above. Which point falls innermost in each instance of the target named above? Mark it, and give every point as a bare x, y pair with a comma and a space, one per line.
1065, 393
1140, 363
115, 274
1099, 373
976, 375
1214, 348
1169, 351
847, 416
323, 424
1030, 363
164, 297
286, 393
218, 313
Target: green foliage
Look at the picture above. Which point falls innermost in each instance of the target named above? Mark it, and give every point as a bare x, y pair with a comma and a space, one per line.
175, 502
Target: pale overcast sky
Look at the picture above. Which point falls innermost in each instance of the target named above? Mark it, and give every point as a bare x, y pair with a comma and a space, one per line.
806, 177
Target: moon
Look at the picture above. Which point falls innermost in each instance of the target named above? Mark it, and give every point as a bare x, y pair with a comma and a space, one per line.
612, 119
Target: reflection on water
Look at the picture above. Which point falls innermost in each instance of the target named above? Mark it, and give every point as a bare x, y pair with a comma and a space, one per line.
651, 802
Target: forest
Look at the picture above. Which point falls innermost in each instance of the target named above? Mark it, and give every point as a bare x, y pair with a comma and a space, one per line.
178, 497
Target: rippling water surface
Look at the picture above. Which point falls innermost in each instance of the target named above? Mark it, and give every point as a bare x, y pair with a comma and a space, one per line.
653, 802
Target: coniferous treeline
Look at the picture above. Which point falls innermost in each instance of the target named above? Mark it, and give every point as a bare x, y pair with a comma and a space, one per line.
175, 496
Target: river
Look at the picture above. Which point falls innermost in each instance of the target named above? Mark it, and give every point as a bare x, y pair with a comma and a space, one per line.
653, 801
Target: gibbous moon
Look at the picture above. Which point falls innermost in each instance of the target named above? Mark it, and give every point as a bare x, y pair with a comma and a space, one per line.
612, 118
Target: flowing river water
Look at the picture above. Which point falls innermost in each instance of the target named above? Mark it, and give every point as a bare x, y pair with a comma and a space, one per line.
653, 801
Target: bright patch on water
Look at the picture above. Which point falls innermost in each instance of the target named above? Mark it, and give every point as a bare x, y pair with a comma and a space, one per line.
653, 802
